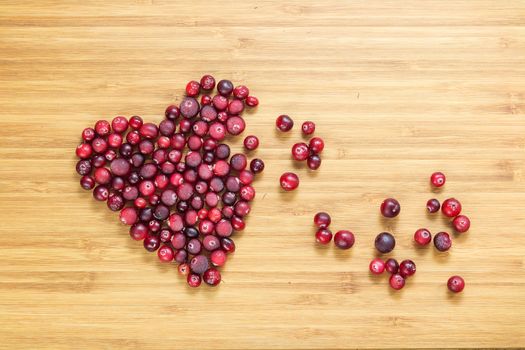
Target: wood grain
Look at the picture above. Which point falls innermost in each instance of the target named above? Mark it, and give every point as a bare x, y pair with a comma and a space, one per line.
397, 89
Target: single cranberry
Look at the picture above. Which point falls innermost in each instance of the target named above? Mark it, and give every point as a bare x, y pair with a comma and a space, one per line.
215, 214
151, 243
190, 217
461, 223
161, 180
178, 240
138, 231
161, 212
227, 245
118, 183
289, 181
233, 184
99, 145
252, 101
209, 144
246, 177
377, 266
207, 82
218, 257
165, 254
175, 222
451, 207
221, 168
241, 92
392, 266
247, 193
128, 216
165, 235
184, 269
211, 199
229, 198
205, 100
154, 225
235, 107
110, 155
130, 193
251, 142
149, 131
238, 161
120, 167
146, 214
133, 178
98, 161
199, 264
242, 208
235, 125
407, 268
217, 131
390, 208
84, 167
442, 241
284, 123
437, 179
322, 220
211, 242
194, 280
102, 127
316, 145
167, 128
397, 281
87, 182
88, 134
126, 150
102, 176
189, 107
433, 205
300, 151
422, 236
135, 122
455, 284
185, 191
119, 124
172, 112
193, 88
133, 137
114, 140
208, 113
202, 213
385, 242
225, 87
224, 228
313, 162
219, 102
323, 236
194, 246
146, 147
222, 151
344, 239
163, 142
256, 165
181, 256
238, 223
212, 277
84, 151
154, 199
308, 127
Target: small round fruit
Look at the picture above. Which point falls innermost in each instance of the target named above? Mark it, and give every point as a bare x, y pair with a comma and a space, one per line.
308, 127
392, 266
344, 239
377, 266
322, 220
316, 145
461, 223
313, 162
212, 277
422, 236
323, 236
385, 242
289, 181
390, 208
300, 151
284, 123
442, 241
407, 268
194, 280
251, 142
451, 207
433, 205
455, 284
437, 179
397, 281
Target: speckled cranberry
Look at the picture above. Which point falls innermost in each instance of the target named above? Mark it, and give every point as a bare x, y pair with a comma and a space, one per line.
102, 127
165, 254
189, 107
235, 107
284, 123
451, 207
407, 268
193, 88
252, 101
207, 82
344, 239
194, 280
241, 92
251, 142
300, 151
442, 241
308, 127
456, 284
212, 277
316, 145
199, 264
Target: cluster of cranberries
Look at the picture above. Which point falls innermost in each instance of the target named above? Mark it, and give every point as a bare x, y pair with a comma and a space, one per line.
398, 272
176, 184
343, 239
300, 151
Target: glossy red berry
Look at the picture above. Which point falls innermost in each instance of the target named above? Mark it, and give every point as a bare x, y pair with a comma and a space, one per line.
218, 257
461, 223
316, 145
313, 162
194, 280
377, 266
102, 128
212, 277
344, 239
456, 284
392, 266
422, 236
252, 101
442, 241
390, 208
407, 268
241, 92
397, 281
284, 123
165, 254
323, 236
207, 82
322, 220
84, 151
119, 124
251, 142
192, 88
437, 179
300, 151
308, 127
289, 181
128, 216
451, 207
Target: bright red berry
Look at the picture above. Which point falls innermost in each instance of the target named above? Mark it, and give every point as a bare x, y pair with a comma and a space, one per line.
451, 207
437, 179
461, 223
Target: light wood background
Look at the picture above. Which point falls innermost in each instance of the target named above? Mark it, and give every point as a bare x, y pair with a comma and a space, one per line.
398, 89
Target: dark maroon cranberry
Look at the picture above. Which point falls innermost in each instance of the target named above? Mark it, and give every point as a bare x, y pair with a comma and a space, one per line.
225, 87
146, 214
442, 241
185, 126
385, 242
238, 161
229, 198
216, 184
138, 232
433, 205
344, 239
110, 155
88, 134
212, 277
137, 160
189, 107
161, 212
194, 280
211, 243
181, 256
167, 127
461, 223
390, 208
199, 264
422, 236
308, 127
392, 266
178, 141
437, 179
178, 240
407, 268
165, 235
207, 82
191, 232
256, 165
84, 167
222, 151
397, 281
194, 246
126, 150
456, 284
252, 101
235, 125
284, 123
241, 92
118, 183
227, 245
289, 181
133, 178
135, 122
323, 236
300, 151
149, 131
322, 220
316, 145
87, 182
151, 243
182, 206
451, 207
313, 162
154, 199
98, 161
208, 113
172, 112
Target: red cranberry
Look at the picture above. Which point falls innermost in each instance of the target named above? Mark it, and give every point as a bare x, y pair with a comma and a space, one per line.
300, 151
165, 235
218, 257
165, 254
437, 179
392, 266
135, 122
175, 222
442, 241
167, 128
194, 246
87, 182
114, 140
184, 269
102, 128
178, 240
189, 107
194, 280
224, 228
242, 209
84, 167
199, 264
222, 151
238, 161
322, 220
219, 102
211, 242
422, 236
207, 82
397, 281
407, 268
233, 184
451, 207
138, 231
149, 131
88, 134
99, 145
130, 193
227, 245
140, 202
225, 87
390, 208
181, 256
154, 225
461, 223
241, 92
455, 284
256, 165
217, 131
161, 180
146, 147
246, 177
433, 205
211, 199
208, 113
377, 266
102, 176
206, 227
215, 215
212, 277
313, 162
316, 145
84, 151
323, 236
98, 161
247, 193
133, 138
151, 243
120, 167
284, 123
252, 101
385, 242
202, 213
205, 100
128, 216
172, 112
110, 155
308, 127
235, 125
289, 181
193, 88
344, 239
251, 142
238, 223
147, 188
235, 107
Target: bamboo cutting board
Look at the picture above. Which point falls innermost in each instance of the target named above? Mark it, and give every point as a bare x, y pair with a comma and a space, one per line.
397, 89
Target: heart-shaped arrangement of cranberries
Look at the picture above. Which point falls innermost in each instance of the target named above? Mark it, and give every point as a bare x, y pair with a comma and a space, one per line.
175, 183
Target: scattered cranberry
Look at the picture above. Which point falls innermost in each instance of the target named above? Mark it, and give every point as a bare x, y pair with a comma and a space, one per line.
322, 220
316, 145
442, 241
256, 165
397, 281
284, 123
433, 205
212, 277
344, 239
390, 208
289, 181
308, 128
218, 257
241, 92
455, 284
88, 134
313, 162
323, 236
225, 87
251, 142
300, 151
451, 207
392, 266
377, 266
194, 280
407, 268
422, 236
437, 179
385, 242
461, 223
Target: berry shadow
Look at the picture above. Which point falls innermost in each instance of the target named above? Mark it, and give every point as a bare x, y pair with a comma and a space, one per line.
454, 298
343, 254
388, 224
440, 257
287, 196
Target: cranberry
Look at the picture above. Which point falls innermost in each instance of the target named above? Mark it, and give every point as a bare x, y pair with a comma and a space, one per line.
316, 145
168, 197
461, 223
235, 107
172, 112
199, 264
289, 181
442, 241
189, 107
211, 243
146, 147
83, 167
125, 150
218, 257
322, 220
224, 228
88, 134
252, 101
233, 184
229, 198
167, 128
154, 225
455, 284
256, 165
284, 123
251, 142
247, 193
241, 92
433, 205
87, 182
207, 82
422, 236
407, 268
117, 183
102, 128
165, 235
120, 167
140, 202
390, 208
451, 207
175, 222
133, 137
205, 100
165, 254
225, 87
238, 161
308, 127
246, 177
392, 266
437, 179
138, 231
193, 88
184, 269
397, 281
385, 242
181, 256
313, 162
212, 277
208, 113
344, 239
235, 125
128, 216
377, 266
178, 240
194, 246
206, 227
149, 131
215, 215
194, 280
227, 245
300, 151
151, 243
99, 145
222, 151
110, 155
84, 151
135, 122
102, 176
323, 236
114, 140
220, 102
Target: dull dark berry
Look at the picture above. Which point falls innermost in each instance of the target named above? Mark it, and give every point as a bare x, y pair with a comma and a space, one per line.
189, 107
433, 205
199, 264
87, 182
442, 241
385, 242
313, 162
115, 202
172, 112
225, 87
392, 266
256, 165
83, 167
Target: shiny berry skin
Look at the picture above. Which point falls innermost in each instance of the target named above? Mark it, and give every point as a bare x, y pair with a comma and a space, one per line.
289, 181
84, 167
241, 92
284, 123
138, 231
84, 151
344, 239
119, 124
433, 205
172, 112
422, 236
313, 162
251, 142
151, 243
322, 220
165, 254
235, 125
455, 284
128, 216
194, 280
308, 128
135, 122
300, 151
193, 88
212, 277
407, 268
102, 176
228, 245
256, 165
220, 103
225, 87
451, 207
316, 145
392, 266
88, 134
252, 101
377, 266
461, 223
397, 281
205, 100
437, 179
184, 269
218, 257
323, 236
385, 242
207, 82
442, 241
87, 182
101, 193
102, 128
390, 208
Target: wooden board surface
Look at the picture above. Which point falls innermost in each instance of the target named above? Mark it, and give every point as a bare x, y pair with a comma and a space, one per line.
397, 89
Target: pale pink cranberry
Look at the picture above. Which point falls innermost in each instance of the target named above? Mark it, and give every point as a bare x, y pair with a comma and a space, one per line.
235, 125
235, 107
377, 266
437, 179
461, 223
